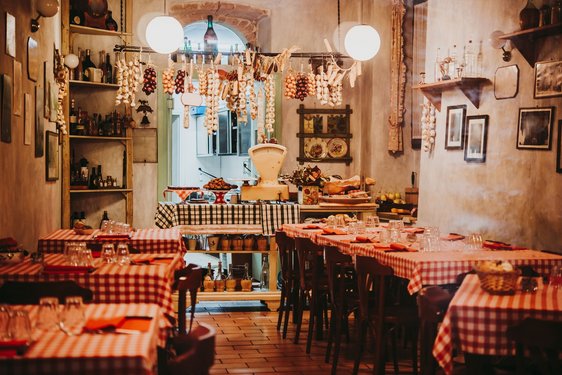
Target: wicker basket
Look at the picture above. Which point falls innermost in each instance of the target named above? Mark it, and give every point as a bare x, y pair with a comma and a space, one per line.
498, 282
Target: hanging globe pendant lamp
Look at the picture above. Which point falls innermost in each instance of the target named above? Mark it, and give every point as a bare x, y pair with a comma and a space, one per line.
164, 34
362, 42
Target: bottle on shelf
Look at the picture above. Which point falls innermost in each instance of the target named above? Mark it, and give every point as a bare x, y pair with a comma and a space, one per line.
72, 117
208, 283
99, 183
108, 72
454, 62
230, 280
220, 279
556, 12
436, 68
105, 217
479, 58
246, 282
110, 23
264, 279
93, 179
124, 183
87, 63
470, 58
78, 74
210, 41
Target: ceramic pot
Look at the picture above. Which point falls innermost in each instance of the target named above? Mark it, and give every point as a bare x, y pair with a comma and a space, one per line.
529, 16
262, 243
249, 243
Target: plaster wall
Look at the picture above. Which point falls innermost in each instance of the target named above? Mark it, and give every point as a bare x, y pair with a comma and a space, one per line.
30, 206
516, 195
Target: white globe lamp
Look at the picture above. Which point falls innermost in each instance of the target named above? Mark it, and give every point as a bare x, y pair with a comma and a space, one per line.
362, 42
164, 34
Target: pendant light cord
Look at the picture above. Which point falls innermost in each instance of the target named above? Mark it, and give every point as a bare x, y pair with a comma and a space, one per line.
339, 29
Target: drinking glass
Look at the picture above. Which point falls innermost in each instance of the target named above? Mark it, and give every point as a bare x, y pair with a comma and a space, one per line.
555, 277
71, 253
20, 325
86, 257
474, 241
73, 318
384, 236
352, 228
331, 222
123, 257
372, 222
360, 227
48, 315
340, 222
108, 253
5, 314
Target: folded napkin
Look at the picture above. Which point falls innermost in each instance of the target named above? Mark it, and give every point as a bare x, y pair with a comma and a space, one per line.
363, 239
381, 246
12, 348
497, 245
400, 247
107, 237
152, 260
312, 226
135, 323
453, 237
414, 230
52, 269
333, 231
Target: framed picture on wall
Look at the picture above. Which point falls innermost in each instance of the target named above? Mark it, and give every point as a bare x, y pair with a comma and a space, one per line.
476, 137
455, 127
534, 130
52, 156
548, 79
559, 148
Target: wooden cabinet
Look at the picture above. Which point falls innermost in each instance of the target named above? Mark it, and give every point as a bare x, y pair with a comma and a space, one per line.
114, 153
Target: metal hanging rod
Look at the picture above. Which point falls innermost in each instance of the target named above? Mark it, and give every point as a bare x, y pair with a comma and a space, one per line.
298, 55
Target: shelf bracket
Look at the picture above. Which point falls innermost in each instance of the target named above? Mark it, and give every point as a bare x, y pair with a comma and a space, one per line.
471, 87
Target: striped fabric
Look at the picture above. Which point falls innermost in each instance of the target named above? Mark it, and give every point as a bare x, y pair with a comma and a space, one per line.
269, 216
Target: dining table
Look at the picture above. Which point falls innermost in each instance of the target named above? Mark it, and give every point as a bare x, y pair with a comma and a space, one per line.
476, 321
420, 268
131, 351
148, 279
146, 240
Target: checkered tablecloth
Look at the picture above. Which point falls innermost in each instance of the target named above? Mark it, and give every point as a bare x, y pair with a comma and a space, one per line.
477, 321
430, 268
110, 283
147, 241
90, 354
269, 216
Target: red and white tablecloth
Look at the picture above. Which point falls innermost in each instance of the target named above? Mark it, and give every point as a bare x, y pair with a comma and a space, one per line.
110, 283
149, 240
476, 321
54, 352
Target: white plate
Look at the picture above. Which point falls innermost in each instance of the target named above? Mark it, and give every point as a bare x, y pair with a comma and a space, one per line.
337, 148
315, 148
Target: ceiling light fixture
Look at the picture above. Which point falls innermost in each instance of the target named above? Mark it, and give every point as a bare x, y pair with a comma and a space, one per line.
164, 34
362, 42
45, 8
498, 43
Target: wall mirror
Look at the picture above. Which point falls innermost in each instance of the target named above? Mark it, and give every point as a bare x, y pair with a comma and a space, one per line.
506, 82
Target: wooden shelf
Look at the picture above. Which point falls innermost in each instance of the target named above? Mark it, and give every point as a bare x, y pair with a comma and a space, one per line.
269, 297
470, 86
524, 40
98, 138
324, 135
88, 84
77, 29
347, 160
100, 191
229, 251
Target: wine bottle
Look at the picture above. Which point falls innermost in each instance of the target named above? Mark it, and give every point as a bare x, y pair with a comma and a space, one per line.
87, 63
93, 179
108, 70
220, 279
124, 184
110, 23
210, 41
78, 73
72, 118
104, 218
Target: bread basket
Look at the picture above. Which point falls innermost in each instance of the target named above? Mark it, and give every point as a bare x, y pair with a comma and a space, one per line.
497, 278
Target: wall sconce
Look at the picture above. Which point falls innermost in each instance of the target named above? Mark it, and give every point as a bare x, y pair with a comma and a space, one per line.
498, 43
45, 8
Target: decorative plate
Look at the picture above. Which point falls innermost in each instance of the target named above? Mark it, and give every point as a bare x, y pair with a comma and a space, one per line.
337, 147
315, 148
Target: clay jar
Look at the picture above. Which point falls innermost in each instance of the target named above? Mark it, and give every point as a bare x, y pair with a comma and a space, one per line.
529, 16
262, 243
249, 242
231, 285
237, 243
225, 243
246, 285
208, 284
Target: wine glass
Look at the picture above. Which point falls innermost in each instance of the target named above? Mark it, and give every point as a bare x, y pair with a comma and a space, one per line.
372, 222
20, 325
108, 253
48, 315
73, 317
360, 227
5, 313
474, 241
123, 257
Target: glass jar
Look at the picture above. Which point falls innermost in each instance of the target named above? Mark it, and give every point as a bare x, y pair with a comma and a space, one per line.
220, 279
529, 16
264, 279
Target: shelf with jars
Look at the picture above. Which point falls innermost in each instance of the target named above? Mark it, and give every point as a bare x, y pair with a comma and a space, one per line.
98, 134
526, 40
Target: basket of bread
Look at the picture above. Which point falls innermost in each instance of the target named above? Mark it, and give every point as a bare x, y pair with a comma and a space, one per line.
497, 277
219, 184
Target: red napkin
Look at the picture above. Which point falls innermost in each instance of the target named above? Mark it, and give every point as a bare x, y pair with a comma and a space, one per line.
153, 260
496, 245
108, 237
381, 247
312, 226
136, 323
363, 239
119, 322
414, 230
12, 348
52, 269
333, 231
453, 237
399, 247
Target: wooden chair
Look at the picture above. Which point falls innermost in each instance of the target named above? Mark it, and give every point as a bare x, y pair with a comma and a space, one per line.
543, 340
313, 286
433, 302
188, 282
194, 352
342, 284
382, 316
29, 293
285, 246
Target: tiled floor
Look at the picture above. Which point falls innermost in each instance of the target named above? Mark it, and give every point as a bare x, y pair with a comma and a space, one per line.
249, 343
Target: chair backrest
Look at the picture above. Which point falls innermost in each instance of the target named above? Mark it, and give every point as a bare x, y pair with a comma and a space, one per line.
195, 352
185, 271
433, 302
29, 293
337, 265
371, 277
283, 246
192, 283
309, 257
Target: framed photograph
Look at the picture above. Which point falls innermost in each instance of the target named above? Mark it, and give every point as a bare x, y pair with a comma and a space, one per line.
476, 137
548, 79
559, 148
534, 130
455, 127
506, 82
52, 156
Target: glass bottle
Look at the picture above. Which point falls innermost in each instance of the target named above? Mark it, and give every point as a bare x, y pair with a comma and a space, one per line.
544, 15
556, 12
78, 74
107, 70
436, 71
529, 16
454, 62
264, 279
124, 184
479, 58
470, 59
87, 63
208, 283
246, 282
93, 179
72, 118
230, 281
110, 23
220, 279
199, 59
105, 217
76, 14
210, 41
